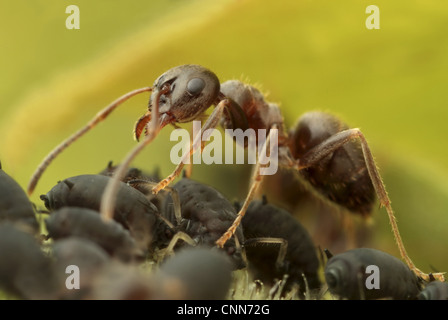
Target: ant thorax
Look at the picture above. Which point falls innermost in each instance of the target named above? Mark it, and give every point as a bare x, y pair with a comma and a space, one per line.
259, 113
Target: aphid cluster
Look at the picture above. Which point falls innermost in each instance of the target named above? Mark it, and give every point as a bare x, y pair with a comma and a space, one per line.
132, 217
107, 254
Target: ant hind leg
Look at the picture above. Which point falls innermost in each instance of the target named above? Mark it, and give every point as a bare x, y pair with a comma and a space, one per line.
336, 141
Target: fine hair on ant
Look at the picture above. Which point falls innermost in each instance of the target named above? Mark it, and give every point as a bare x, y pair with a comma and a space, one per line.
335, 159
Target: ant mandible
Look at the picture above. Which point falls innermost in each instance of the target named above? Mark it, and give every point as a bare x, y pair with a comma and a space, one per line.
319, 146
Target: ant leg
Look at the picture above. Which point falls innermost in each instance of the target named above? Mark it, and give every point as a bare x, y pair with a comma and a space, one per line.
336, 141
100, 116
211, 123
257, 178
108, 200
281, 252
241, 248
174, 196
189, 170
328, 254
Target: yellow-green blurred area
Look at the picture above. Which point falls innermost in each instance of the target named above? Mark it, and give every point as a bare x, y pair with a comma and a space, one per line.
307, 55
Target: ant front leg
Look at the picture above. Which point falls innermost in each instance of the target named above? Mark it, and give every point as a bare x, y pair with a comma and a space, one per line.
256, 181
189, 169
206, 130
152, 123
174, 195
333, 143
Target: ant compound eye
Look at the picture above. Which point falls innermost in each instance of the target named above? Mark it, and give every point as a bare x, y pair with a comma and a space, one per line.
195, 86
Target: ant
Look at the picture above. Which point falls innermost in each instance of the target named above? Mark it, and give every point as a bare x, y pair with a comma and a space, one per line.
333, 158
198, 215
192, 212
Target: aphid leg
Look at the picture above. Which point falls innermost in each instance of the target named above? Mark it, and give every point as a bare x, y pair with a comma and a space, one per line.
211, 123
307, 287
293, 293
336, 141
110, 193
281, 286
277, 289
323, 291
281, 252
256, 181
100, 116
179, 236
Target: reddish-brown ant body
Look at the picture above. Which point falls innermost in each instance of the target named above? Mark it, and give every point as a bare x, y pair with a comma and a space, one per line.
334, 159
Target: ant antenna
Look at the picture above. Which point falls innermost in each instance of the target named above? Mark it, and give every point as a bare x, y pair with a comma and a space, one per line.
100, 116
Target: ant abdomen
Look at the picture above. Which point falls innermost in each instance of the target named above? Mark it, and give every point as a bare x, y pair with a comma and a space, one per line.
342, 176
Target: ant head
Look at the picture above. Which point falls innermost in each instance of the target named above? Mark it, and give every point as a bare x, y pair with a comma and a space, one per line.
184, 92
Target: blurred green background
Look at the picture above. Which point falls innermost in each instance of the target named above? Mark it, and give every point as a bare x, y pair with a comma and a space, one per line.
308, 55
